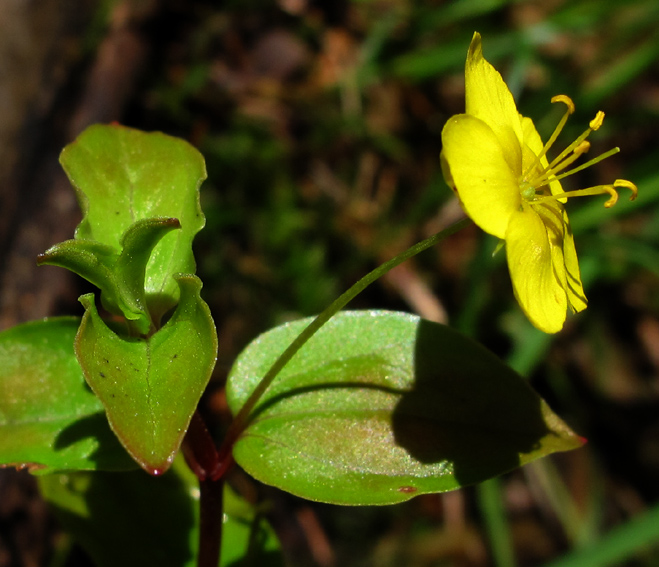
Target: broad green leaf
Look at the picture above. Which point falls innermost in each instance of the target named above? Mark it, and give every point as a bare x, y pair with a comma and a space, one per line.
150, 387
119, 275
123, 175
381, 406
49, 418
132, 519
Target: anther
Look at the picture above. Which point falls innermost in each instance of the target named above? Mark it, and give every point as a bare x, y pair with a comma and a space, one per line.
582, 148
610, 189
596, 122
555, 171
565, 100
570, 109
627, 185
555, 168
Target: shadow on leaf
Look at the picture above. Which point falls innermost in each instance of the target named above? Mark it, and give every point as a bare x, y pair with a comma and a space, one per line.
129, 519
466, 408
108, 453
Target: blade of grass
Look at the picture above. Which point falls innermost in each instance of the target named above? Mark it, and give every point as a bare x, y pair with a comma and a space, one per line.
493, 509
618, 545
620, 73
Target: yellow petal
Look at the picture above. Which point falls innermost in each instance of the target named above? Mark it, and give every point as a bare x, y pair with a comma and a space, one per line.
552, 214
532, 138
474, 165
532, 265
575, 295
488, 98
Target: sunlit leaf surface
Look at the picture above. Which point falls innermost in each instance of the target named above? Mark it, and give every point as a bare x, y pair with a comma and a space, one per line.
49, 418
150, 387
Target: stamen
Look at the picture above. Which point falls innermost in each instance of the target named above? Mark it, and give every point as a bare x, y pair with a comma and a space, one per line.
627, 185
570, 109
550, 174
547, 175
597, 190
581, 149
593, 161
569, 149
589, 192
559, 128
566, 100
596, 122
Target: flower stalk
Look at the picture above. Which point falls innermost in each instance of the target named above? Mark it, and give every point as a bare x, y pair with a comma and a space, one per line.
241, 420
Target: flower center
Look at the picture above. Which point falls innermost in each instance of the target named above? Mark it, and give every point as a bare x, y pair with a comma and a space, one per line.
534, 183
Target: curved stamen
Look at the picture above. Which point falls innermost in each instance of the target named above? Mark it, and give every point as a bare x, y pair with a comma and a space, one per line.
590, 191
597, 190
570, 110
559, 128
627, 185
532, 188
564, 159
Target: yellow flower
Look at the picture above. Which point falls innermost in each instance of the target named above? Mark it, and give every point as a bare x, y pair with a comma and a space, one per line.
494, 160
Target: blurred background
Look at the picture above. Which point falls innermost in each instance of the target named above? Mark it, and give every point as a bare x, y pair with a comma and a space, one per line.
320, 122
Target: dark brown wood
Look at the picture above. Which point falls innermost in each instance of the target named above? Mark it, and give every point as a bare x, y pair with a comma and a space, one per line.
39, 207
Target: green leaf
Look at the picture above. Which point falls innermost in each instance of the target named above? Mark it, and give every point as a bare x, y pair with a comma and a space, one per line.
151, 386
49, 418
120, 276
247, 539
381, 406
88, 258
137, 245
123, 175
132, 520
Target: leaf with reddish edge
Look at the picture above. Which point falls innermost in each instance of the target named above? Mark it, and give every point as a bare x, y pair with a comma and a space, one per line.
150, 387
381, 406
49, 419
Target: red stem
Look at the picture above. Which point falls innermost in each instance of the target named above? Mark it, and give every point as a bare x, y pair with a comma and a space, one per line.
210, 522
199, 449
202, 457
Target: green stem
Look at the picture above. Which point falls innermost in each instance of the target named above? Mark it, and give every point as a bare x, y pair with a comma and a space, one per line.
242, 418
497, 525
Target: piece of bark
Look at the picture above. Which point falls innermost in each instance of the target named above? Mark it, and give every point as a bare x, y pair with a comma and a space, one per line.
42, 209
